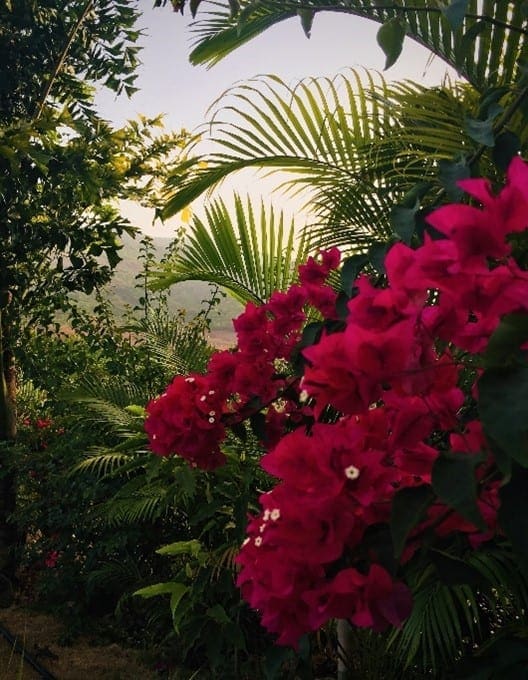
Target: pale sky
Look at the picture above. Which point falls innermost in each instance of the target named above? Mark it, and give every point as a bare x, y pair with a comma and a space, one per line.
170, 85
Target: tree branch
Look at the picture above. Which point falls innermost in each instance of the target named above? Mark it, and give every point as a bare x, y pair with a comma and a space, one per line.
60, 61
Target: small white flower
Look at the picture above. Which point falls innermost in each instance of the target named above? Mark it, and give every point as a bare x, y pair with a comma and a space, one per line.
266, 515
303, 396
212, 413
189, 380
261, 528
258, 541
211, 392
352, 472
203, 397
275, 514
211, 420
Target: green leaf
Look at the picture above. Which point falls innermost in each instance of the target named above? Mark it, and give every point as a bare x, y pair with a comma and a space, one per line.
306, 16
454, 571
503, 346
390, 38
454, 482
193, 6
467, 44
311, 333
191, 547
350, 271
218, 614
378, 545
449, 173
455, 13
177, 593
513, 511
403, 221
160, 589
234, 6
135, 410
113, 257
507, 146
376, 254
408, 509
481, 131
258, 426
503, 409
274, 659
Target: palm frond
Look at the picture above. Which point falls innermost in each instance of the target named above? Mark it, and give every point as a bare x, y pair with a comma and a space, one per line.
177, 345
103, 463
248, 255
311, 131
448, 620
486, 47
136, 502
108, 403
353, 145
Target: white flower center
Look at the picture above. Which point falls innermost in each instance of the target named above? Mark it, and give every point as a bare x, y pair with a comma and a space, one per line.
352, 472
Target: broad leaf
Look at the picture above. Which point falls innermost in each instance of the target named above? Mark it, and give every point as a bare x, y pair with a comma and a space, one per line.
306, 16
408, 509
455, 12
450, 172
454, 482
403, 221
513, 511
507, 146
503, 409
192, 547
454, 570
350, 270
484, 41
505, 341
390, 38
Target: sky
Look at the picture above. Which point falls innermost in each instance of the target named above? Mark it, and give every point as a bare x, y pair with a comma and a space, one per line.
169, 84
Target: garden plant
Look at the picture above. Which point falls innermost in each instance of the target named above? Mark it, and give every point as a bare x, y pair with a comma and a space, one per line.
343, 491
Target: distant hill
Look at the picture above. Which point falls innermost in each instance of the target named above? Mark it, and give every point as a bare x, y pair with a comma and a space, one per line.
122, 291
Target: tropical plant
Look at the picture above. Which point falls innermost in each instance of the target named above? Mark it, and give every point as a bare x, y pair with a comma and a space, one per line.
61, 169
92, 531
485, 41
249, 255
355, 147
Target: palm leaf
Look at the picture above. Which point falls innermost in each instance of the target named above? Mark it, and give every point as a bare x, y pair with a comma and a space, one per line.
486, 47
107, 403
311, 131
249, 255
177, 345
103, 463
353, 145
447, 621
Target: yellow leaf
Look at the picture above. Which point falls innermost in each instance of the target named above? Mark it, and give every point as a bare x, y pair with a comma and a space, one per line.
186, 215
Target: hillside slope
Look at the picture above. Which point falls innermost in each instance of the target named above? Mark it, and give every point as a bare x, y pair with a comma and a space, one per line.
189, 296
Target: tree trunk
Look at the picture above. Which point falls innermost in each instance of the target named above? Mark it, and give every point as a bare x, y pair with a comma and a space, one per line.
8, 431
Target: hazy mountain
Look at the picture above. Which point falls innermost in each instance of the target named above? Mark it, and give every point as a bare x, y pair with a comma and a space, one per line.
190, 295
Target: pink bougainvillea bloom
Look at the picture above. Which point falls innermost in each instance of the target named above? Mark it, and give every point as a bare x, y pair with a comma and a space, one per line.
186, 420
51, 559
